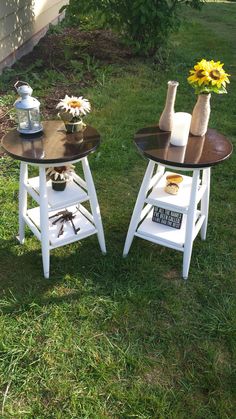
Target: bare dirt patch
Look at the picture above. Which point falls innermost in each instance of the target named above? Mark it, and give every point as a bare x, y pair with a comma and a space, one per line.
65, 52
60, 52
103, 45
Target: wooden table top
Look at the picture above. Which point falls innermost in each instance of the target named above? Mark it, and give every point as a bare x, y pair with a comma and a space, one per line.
205, 151
52, 145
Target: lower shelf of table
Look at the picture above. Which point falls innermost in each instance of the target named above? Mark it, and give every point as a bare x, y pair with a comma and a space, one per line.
165, 235
86, 227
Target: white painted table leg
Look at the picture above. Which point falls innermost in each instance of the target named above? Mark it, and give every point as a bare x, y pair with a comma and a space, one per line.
44, 222
206, 180
138, 207
94, 204
190, 224
22, 200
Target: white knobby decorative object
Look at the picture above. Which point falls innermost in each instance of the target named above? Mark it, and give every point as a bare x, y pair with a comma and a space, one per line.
166, 119
201, 115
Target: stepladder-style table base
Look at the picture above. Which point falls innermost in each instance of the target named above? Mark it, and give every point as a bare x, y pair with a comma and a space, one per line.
192, 201
42, 219
60, 218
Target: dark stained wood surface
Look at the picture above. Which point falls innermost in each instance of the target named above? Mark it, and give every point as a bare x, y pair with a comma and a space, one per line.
52, 145
205, 151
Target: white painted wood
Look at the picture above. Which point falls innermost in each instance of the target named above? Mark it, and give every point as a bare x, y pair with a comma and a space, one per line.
94, 203
145, 211
206, 179
86, 213
189, 237
57, 199
68, 236
191, 192
22, 200
160, 242
32, 226
46, 165
138, 206
32, 192
44, 223
80, 181
200, 192
50, 202
198, 225
162, 232
179, 202
155, 179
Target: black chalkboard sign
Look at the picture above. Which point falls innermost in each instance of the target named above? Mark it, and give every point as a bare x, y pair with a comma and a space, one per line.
167, 217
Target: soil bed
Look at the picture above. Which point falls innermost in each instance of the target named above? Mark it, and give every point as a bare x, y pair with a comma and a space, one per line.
66, 52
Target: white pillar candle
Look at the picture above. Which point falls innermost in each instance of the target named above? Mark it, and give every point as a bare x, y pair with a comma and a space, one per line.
180, 128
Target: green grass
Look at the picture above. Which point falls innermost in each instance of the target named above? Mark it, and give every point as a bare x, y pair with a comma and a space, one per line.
108, 337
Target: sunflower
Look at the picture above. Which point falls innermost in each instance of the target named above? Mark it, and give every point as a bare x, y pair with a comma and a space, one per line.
199, 74
208, 76
217, 76
76, 106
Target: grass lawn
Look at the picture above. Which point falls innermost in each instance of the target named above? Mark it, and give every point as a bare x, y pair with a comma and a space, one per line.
108, 337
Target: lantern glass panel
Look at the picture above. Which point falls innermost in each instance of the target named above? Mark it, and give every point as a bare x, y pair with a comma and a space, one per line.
35, 118
24, 119
29, 119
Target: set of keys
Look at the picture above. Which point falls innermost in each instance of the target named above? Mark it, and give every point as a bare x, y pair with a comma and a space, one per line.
64, 216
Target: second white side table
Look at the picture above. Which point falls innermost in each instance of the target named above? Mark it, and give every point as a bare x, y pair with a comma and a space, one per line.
192, 200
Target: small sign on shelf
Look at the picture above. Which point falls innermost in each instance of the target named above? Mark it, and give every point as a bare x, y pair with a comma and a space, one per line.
167, 217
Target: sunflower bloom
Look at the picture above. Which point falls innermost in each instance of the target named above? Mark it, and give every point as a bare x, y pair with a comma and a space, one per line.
199, 74
217, 75
208, 76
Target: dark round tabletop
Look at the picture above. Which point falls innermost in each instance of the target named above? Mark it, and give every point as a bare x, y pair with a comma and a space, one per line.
204, 151
52, 145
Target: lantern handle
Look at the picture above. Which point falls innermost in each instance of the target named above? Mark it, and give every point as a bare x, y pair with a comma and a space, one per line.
23, 83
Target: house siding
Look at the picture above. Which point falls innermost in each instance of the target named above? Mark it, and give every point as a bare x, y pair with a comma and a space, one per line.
22, 24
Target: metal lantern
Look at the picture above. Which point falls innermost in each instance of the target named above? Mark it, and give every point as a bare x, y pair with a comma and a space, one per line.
27, 108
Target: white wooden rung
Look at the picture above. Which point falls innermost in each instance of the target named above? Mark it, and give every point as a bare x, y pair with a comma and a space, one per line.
201, 192
80, 181
32, 192
32, 227
86, 213
198, 225
155, 179
145, 211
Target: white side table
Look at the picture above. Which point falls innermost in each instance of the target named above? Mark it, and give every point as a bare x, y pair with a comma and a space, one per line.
192, 200
54, 147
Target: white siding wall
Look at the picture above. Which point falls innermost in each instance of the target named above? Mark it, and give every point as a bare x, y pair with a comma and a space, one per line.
22, 24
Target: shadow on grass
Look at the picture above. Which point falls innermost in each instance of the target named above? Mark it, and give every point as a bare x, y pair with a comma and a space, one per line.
150, 274
136, 311
73, 266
